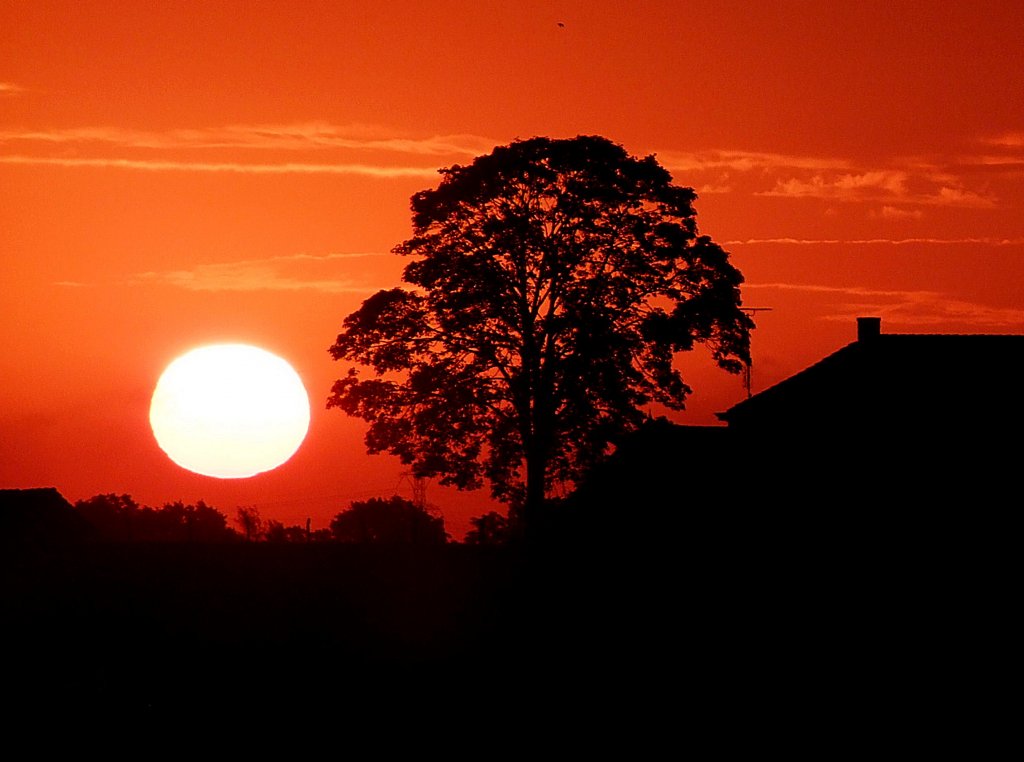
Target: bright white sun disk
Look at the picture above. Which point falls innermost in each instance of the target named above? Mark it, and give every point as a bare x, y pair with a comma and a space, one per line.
230, 411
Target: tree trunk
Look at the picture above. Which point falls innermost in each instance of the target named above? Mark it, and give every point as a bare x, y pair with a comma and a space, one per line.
536, 466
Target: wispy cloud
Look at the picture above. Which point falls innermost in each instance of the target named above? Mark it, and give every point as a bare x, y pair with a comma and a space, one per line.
9, 88
896, 213
299, 272
1001, 154
745, 161
947, 196
888, 185
1006, 139
376, 151
1008, 162
841, 185
906, 181
802, 175
875, 241
327, 149
160, 165
302, 136
906, 307
707, 190
938, 310
845, 290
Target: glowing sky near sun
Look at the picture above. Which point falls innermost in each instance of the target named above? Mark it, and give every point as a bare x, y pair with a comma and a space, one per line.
173, 176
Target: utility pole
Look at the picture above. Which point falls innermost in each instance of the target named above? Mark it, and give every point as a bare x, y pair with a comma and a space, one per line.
419, 488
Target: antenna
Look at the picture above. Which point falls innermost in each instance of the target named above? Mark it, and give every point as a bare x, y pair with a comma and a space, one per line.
419, 488
750, 363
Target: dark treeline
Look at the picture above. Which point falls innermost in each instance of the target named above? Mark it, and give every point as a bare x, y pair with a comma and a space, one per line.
120, 518
607, 618
150, 609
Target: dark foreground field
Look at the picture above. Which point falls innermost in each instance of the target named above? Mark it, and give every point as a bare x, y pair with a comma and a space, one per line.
761, 634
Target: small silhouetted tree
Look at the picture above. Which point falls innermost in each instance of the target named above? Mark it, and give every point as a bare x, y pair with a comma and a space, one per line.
552, 287
115, 517
277, 532
489, 529
323, 534
388, 520
209, 525
248, 519
187, 522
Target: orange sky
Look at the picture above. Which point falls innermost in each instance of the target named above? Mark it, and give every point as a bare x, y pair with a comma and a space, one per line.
173, 174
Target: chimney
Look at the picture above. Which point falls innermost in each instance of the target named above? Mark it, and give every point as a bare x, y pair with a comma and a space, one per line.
868, 328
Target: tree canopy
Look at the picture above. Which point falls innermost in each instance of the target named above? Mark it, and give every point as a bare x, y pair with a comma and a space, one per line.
119, 518
552, 284
488, 529
391, 520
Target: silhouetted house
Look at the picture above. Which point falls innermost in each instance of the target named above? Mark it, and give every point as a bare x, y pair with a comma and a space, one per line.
888, 431
31, 517
660, 462
910, 417
663, 481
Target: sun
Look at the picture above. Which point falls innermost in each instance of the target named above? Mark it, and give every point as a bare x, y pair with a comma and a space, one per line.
229, 411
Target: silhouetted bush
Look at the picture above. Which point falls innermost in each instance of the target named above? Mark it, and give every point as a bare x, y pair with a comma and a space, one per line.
391, 520
490, 529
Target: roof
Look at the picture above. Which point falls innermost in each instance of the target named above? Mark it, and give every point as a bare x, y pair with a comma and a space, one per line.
971, 380
35, 515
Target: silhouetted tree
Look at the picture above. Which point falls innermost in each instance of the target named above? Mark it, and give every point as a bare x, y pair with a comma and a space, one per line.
207, 524
391, 520
276, 531
489, 529
553, 284
248, 518
119, 518
190, 523
114, 516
